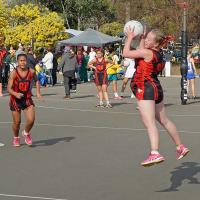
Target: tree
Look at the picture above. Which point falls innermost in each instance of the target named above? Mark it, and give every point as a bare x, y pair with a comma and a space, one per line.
162, 14
29, 25
4, 16
25, 13
82, 14
113, 28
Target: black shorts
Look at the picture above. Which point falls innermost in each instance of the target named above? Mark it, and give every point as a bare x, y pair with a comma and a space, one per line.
148, 91
20, 104
101, 78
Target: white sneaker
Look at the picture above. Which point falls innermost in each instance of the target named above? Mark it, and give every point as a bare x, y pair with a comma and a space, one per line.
132, 96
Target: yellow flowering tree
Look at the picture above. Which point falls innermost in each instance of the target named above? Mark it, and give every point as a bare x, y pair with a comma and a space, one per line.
4, 13
29, 25
25, 13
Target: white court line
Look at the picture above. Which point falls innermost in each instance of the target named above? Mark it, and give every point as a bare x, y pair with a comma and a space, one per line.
82, 126
29, 197
109, 112
100, 127
84, 110
80, 99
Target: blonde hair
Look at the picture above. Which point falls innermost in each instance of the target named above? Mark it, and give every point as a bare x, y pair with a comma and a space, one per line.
159, 36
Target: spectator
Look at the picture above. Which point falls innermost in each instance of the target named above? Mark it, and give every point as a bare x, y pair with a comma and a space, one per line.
55, 65
48, 64
2, 56
167, 69
84, 67
31, 61
20, 50
79, 58
191, 74
11, 59
69, 66
92, 56
112, 74
130, 70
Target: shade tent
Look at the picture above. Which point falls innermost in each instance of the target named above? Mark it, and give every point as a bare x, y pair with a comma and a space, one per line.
92, 38
73, 32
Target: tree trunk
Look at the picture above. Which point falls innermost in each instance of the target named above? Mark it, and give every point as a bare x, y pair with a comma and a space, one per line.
128, 10
64, 14
79, 23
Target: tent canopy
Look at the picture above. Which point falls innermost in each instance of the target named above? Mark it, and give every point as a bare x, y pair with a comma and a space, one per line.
73, 32
92, 38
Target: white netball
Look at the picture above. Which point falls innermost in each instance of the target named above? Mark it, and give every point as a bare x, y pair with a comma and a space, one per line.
134, 25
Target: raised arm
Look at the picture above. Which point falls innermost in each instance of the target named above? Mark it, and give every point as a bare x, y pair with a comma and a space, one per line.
142, 38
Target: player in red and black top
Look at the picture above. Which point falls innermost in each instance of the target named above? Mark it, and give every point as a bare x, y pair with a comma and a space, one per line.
149, 93
99, 65
19, 87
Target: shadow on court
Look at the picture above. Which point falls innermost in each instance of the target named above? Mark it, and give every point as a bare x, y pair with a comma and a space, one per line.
50, 94
119, 103
185, 172
193, 102
82, 97
52, 141
169, 104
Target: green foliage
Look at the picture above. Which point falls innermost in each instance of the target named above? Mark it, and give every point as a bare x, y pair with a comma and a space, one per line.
82, 14
113, 28
162, 14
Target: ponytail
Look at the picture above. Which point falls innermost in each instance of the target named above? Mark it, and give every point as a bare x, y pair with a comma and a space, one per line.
161, 39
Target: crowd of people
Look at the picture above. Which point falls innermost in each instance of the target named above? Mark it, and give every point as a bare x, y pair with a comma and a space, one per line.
47, 63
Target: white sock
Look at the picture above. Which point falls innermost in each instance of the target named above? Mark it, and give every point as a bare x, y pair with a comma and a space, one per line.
116, 94
101, 102
25, 133
107, 102
154, 152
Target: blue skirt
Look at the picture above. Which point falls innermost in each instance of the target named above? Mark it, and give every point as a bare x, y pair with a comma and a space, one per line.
190, 76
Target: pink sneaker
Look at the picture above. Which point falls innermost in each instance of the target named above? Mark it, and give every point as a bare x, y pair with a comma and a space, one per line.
16, 141
181, 152
27, 138
152, 159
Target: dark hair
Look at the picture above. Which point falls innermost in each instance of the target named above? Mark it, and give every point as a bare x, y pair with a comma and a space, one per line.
21, 54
